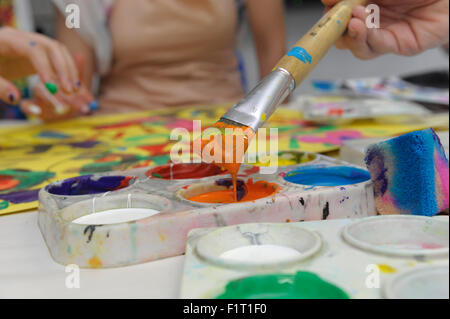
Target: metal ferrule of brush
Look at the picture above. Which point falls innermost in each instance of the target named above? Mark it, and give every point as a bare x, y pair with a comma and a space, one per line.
259, 104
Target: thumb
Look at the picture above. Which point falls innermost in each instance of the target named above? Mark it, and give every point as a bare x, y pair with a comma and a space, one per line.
9, 92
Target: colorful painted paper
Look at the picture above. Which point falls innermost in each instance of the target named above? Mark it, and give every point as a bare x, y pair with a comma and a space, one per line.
33, 156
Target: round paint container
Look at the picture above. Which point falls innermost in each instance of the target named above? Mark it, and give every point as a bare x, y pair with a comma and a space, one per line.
64, 193
302, 285
221, 192
422, 283
284, 158
258, 246
398, 235
89, 185
116, 216
184, 171
115, 209
330, 176
102, 232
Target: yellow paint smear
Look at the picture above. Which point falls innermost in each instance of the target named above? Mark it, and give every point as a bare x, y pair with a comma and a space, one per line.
387, 269
95, 262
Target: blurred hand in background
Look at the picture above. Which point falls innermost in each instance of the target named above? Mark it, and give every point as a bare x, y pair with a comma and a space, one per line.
62, 105
23, 54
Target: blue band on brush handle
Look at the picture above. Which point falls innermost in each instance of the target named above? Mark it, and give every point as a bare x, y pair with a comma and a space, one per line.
301, 54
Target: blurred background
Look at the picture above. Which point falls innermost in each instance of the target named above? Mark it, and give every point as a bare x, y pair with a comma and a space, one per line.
300, 16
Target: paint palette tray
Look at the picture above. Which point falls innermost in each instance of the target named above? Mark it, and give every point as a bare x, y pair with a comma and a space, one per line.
375, 257
159, 210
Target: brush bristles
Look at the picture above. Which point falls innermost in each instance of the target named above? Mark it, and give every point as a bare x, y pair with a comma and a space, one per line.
231, 122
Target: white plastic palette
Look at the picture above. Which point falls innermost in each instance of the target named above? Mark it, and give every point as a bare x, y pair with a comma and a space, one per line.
360, 271
421, 283
159, 214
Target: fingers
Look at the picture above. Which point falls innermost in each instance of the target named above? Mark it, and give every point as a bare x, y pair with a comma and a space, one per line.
357, 40
46, 106
59, 106
60, 60
40, 62
8, 92
80, 101
357, 36
42, 110
80, 63
74, 75
45, 56
49, 101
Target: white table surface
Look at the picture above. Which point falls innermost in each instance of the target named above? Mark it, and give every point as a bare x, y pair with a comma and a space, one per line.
28, 271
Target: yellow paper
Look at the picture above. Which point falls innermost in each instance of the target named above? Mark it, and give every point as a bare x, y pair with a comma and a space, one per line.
34, 156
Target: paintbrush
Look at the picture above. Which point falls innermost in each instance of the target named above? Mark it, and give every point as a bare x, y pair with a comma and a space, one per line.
258, 105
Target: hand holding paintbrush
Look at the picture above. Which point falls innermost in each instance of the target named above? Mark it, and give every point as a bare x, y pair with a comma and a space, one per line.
256, 108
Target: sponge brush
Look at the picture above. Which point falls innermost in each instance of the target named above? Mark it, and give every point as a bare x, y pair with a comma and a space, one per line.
410, 174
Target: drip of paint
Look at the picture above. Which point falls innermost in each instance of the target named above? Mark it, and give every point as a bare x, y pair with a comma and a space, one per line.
234, 144
327, 176
115, 216
241, 192
185, 171
261, 254
386, 269
302, 285
89, 185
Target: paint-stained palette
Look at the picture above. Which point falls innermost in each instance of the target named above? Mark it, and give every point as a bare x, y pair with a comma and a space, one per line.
34, 156
167, 195
329, 264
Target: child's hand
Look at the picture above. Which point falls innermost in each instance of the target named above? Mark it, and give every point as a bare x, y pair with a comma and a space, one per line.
407, 27
23, 54
60, 106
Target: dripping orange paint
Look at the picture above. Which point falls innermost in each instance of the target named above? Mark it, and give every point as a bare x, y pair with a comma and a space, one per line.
233, 152
254, 191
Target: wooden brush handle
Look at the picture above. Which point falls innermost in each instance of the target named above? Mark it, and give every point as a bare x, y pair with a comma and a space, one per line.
309, 50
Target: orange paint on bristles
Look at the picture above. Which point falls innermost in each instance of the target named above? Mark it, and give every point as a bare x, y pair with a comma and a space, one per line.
231, 157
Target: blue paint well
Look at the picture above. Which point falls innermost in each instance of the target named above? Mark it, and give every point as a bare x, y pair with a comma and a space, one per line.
327, 176
88, 185
301, 54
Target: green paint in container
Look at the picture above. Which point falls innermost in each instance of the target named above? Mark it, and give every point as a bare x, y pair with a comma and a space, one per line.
302, 285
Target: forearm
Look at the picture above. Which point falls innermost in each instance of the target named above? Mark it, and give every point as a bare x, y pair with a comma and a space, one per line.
80, 50
266, 19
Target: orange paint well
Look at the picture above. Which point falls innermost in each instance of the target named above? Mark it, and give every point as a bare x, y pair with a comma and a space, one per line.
253, 191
